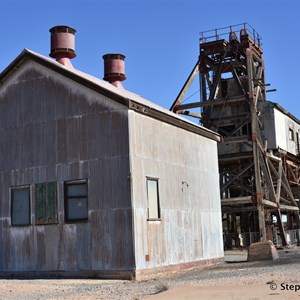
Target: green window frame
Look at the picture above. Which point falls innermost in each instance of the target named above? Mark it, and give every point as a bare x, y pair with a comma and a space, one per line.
46, 203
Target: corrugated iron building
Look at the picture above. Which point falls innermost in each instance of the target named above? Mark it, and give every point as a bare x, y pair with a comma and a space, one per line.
97, 181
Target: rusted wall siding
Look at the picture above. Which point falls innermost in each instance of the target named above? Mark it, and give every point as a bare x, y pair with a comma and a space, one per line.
52, 129
186, 165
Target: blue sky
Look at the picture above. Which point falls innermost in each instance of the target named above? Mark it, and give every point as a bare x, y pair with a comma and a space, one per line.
159, 38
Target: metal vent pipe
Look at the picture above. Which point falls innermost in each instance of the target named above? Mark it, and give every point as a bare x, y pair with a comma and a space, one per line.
114, 69
63, 44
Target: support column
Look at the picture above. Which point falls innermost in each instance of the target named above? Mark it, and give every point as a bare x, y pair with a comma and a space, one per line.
253, 114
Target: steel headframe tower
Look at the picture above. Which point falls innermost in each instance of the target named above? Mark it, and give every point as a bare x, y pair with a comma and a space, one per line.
253, 183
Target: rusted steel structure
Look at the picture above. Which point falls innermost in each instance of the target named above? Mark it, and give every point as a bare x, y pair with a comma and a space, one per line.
94, 181
259, 181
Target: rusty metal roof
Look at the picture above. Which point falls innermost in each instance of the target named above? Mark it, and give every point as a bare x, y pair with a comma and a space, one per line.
125, 97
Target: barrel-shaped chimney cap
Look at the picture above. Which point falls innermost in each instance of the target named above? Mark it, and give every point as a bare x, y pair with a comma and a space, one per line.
113, 56
62, 42
62, 28
114, 67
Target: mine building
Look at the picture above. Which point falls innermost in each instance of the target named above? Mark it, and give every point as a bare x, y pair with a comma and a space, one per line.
97, 181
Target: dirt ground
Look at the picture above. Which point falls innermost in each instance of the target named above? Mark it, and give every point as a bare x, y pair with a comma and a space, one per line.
251, 292
234, 279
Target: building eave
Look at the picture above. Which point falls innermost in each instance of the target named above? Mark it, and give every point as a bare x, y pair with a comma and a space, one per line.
189, 126
284, 111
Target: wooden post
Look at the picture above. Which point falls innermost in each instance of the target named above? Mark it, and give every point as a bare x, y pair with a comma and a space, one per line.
253, 114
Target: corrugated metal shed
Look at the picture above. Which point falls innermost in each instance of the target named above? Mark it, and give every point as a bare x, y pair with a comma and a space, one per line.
61, 127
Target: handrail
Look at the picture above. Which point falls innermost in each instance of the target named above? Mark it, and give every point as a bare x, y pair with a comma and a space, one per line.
219, 33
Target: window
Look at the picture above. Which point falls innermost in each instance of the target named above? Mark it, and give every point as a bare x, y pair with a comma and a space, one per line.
76, 201
45, 205
291, 134
20, 205
298, 143
153, 199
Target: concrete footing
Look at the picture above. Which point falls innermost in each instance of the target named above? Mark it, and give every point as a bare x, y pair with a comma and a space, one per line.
262, 251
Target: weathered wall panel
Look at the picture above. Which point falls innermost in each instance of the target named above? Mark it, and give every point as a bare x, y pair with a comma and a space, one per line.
83, 246
186, 165
40, 244
55, 130
282, 126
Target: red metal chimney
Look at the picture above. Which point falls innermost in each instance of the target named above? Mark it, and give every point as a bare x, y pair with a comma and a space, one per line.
114, 69
63, 44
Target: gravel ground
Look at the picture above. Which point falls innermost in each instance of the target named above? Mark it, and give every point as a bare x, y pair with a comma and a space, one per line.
285, 269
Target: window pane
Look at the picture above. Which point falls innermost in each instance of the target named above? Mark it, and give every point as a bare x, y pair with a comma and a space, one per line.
153, 206
20, 202
291, 134
77, 209
77, 190
76, 201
